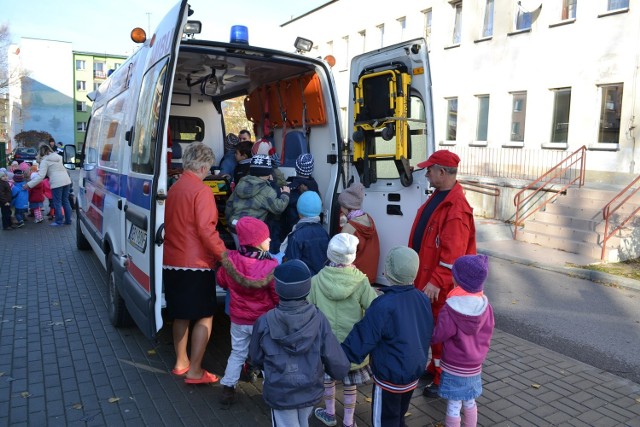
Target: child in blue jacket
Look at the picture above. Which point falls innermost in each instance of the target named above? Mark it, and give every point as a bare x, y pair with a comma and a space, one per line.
294, 346
20, 197
396, 331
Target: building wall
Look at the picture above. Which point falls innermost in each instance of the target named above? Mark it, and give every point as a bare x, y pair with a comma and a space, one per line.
44, 100
598, 47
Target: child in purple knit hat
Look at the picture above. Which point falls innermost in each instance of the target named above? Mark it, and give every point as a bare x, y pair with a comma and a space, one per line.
465, 326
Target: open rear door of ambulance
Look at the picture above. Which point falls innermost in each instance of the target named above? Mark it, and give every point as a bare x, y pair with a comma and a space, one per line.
391, 130
146, 183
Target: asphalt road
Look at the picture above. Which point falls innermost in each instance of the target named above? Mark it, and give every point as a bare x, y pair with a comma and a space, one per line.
596, 324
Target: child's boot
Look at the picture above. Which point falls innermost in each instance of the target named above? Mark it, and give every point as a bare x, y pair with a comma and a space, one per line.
470, 416
228, 395
450, 421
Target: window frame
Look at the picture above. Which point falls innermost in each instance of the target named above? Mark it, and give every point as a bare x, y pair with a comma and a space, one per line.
482, 119
456, 36
518, 108
487, 24
616, 109
452, 116
569, 9
556, 115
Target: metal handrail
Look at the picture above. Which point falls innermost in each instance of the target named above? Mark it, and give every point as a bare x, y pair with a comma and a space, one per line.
487, 189
607, 212
545, 179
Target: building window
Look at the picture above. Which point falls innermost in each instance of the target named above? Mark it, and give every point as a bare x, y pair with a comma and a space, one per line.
99, 70
81, 126
345, 52
483, 118
457, 24
427, 26
518, 115
81, 85
569, 8
402, 22
561, 104
617, 4
610, 113
80, 64
523, 18
363, 40
452, 118
330, 48
487, 29
96, 85
381, 34
81, 106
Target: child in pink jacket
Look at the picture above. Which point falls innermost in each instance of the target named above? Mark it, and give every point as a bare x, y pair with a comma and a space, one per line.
248, 275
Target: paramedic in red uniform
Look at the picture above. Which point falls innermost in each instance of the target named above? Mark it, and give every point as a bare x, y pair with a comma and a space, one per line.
192, 248
442, 231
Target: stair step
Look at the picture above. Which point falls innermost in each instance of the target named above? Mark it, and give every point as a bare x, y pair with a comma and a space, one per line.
568, 221
571, 233
586, 203
590, 250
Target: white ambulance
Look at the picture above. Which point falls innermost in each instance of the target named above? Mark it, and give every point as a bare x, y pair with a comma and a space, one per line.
178, 84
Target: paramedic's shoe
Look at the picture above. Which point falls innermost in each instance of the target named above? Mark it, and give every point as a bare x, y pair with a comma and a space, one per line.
431, 391
327, 418
228, 395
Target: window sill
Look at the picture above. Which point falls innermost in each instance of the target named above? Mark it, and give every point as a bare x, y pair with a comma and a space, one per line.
515, 33
483, 39
613, 12
478, 144
555, 145
513, 144
453, 46
604, 146
564, 22
447, 143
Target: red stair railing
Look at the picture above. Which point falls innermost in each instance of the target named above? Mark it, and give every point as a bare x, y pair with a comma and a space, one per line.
610, 209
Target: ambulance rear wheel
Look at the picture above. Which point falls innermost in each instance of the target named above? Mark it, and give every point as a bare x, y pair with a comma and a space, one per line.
118, 314
81, 242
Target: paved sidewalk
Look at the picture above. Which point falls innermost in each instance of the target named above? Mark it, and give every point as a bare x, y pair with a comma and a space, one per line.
62, 363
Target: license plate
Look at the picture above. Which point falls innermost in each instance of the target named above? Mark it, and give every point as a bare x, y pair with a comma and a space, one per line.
138, 238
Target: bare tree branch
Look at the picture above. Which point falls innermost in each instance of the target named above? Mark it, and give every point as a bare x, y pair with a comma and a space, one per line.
8, 76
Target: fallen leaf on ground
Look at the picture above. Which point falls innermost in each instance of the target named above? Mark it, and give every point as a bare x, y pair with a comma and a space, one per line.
408, 414
367, 399
638, 400
77, 406
113, 399
536, 386
25, 394
16, 306
151, 352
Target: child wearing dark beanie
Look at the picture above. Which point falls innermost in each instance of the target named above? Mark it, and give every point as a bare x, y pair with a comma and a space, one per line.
465, 326
294, 346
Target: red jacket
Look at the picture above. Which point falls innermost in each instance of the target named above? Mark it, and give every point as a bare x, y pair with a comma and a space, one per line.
368, 252
190, 220
250, 282
36, 194
449, 234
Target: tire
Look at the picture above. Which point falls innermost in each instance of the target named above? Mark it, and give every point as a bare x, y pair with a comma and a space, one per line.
118, 313
81, 242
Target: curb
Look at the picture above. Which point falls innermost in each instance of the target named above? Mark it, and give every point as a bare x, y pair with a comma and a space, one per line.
582, 273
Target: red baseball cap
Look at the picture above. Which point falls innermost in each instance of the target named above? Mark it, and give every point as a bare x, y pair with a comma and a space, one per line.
442, 158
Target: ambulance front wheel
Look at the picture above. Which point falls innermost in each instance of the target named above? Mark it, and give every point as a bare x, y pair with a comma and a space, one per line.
118, 313
81, 242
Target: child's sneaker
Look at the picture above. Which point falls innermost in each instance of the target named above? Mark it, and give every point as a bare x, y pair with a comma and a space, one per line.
327, 418
20, 224
228, 395
39, 220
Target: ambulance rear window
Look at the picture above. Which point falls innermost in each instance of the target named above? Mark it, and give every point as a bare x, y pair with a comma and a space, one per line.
186, 129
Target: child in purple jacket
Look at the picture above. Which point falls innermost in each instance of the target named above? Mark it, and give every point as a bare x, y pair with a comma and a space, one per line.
464, 327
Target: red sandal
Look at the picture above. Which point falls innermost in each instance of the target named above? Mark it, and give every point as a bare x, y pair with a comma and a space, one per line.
206, 378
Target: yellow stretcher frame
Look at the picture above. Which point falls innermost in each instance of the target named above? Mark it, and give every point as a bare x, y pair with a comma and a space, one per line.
397, 102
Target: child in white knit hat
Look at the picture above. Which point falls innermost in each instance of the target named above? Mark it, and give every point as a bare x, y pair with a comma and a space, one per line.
342, 293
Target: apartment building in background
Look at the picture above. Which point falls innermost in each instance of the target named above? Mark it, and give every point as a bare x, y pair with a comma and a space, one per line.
89, 71
543, 76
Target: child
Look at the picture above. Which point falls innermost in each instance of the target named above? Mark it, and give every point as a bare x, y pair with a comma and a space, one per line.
293, 345
248, 275
243, 159
465, 326
5, 200
396, 331
303, 181
342, 293
254, 196
20, 196
228, 163
36, 198
308, 241
354, 221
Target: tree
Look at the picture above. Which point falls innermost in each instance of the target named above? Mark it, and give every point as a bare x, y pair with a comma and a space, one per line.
32, 138
8, 76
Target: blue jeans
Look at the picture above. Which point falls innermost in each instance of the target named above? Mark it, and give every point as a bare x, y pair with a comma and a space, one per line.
61, 201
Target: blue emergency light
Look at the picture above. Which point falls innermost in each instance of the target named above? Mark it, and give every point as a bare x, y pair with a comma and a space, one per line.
239, 34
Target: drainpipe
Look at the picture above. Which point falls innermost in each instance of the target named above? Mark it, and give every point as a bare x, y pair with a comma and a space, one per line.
631, 129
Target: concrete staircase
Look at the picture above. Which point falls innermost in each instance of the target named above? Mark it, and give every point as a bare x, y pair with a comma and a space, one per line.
573, 223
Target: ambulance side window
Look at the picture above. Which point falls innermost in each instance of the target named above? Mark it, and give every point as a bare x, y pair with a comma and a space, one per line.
146, 131
91, 142
111, 132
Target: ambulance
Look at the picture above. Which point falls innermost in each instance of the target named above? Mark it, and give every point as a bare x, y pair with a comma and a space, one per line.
175, 88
